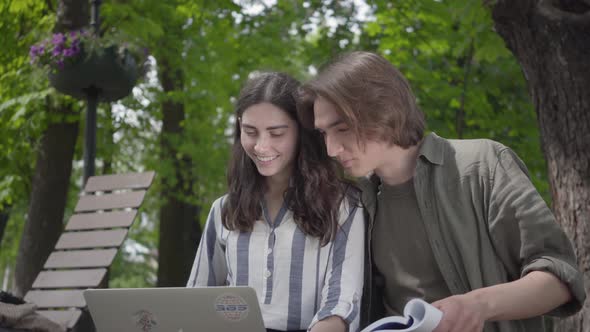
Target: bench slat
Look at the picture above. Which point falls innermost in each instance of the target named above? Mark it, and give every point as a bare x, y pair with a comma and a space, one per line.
80, 258
70, 278
97, 220
119, 181
91, 239
130, 199
67, 318
56, 298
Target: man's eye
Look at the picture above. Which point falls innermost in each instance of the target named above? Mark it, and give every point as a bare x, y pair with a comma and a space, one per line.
342, 130
250, 133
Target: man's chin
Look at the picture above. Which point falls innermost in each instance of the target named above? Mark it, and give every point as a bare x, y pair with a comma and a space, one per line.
353, 173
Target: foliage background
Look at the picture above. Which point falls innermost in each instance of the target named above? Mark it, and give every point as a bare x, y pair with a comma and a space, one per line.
467, 82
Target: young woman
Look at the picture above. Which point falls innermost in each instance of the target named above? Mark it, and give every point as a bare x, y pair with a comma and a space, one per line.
288, 226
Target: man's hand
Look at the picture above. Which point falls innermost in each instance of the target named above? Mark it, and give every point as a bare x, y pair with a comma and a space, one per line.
532, 295
461, 313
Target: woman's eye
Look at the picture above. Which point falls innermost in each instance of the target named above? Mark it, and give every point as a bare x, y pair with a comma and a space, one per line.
343, 130
250, 133
276, 134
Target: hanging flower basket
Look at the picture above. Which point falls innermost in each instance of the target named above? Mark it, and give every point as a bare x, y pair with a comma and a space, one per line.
103, 69
78, 62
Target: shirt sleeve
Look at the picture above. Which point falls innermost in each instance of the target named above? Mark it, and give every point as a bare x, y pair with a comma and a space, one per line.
525, 232
210, 267
342, 292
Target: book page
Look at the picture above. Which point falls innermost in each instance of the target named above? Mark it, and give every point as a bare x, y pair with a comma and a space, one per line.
419, 316
426, 317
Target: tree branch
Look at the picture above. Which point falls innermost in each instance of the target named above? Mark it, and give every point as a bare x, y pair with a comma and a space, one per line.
549, 10
507, 10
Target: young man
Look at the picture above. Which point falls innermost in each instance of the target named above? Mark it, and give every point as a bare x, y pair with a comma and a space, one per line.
455, 222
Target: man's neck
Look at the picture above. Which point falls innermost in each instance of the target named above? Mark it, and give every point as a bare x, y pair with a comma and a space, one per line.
399, 165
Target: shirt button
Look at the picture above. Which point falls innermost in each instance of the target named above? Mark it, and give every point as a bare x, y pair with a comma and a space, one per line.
267, 273
269, 251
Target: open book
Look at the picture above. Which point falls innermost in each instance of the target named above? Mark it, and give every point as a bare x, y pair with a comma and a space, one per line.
419, 316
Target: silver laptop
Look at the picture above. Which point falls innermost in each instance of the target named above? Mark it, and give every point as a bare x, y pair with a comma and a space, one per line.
207, 309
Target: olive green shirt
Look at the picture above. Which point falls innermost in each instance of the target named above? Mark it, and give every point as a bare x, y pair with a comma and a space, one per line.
485, 222
401, 251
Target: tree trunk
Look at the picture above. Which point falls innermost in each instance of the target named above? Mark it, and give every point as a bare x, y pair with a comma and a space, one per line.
179, 220
551, 40
4, 217
44, 221
52, 173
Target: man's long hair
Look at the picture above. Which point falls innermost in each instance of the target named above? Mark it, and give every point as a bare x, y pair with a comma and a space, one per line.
372, 97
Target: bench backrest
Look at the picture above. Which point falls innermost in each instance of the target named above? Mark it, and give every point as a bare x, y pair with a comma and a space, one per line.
86, 249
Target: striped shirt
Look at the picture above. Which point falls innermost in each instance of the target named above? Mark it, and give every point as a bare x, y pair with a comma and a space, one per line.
298, 282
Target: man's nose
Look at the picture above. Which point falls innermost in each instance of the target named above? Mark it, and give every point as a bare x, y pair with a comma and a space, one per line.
333, 146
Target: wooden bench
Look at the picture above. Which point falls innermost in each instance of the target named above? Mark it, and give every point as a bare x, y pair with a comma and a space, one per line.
105, 210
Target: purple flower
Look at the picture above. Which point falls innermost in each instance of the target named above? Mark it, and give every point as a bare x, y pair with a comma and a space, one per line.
34, 51
68, 52
58, 39
56, 51
76, 43
75, 50
60, 49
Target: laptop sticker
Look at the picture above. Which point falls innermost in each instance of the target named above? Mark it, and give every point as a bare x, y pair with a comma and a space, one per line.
231, 307
144, 320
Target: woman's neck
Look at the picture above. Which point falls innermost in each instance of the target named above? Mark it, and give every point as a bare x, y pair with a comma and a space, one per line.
274, 198
275, 188
277, 184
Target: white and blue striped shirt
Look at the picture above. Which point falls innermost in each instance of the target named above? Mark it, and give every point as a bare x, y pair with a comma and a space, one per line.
298, 282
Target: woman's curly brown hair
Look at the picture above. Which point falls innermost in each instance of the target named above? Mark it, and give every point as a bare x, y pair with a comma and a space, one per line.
315, 190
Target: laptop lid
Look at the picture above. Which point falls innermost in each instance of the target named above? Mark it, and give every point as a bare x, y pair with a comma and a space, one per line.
207, 309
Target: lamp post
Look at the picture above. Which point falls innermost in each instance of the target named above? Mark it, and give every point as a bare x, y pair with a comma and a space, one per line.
92, 93
102, 73
90, 132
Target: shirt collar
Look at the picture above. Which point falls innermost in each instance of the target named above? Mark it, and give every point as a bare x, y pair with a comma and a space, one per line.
432, 149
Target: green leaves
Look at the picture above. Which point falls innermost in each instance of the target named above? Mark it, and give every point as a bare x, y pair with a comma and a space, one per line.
447, 49
458, 66
23, 102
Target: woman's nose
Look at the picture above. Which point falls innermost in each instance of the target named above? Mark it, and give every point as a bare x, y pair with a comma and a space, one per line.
261, 144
